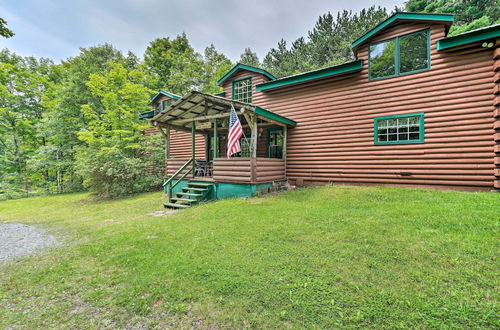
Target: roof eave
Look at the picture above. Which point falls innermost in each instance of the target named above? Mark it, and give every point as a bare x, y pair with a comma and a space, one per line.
465, 38
312, 75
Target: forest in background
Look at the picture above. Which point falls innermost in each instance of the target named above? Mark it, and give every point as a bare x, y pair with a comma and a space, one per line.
74, 125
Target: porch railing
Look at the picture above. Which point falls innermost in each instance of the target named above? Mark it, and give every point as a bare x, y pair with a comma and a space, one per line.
171, 185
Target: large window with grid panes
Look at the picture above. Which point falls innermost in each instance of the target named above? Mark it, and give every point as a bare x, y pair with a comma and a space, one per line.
242, 90
399, 129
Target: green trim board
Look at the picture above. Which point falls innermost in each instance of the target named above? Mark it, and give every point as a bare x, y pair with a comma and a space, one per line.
311, 75
163, 92
489, 32
147, 114
402, 16
397, 56
271, 115
240, 66
421, 129
221, 94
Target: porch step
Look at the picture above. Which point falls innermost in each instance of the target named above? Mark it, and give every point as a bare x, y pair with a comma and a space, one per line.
175, 206
189, 194
200, 184
187, 200
195, 189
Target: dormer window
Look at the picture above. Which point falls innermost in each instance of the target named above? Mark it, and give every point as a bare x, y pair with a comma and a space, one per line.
401, 55
242, 90
162, 105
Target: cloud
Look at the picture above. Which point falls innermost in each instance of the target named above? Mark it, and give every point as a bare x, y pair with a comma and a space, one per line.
57, 28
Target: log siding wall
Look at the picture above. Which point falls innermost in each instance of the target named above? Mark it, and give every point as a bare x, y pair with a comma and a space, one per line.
238, 170
496, 113
333, 140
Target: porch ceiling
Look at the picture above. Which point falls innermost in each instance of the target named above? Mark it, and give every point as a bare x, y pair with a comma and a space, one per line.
197, 106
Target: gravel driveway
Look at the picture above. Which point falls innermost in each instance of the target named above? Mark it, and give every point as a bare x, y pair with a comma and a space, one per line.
18, 240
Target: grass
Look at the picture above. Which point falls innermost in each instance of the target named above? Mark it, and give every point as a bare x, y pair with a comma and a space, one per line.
317, 258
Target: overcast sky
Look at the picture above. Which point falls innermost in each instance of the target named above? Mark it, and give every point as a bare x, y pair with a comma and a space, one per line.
58, 28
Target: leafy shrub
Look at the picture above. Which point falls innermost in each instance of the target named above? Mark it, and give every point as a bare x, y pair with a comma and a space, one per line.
113, 172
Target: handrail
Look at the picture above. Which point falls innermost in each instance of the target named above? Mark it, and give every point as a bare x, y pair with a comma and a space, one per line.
169, 184
183, 167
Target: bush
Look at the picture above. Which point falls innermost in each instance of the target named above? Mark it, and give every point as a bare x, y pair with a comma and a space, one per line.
114, 172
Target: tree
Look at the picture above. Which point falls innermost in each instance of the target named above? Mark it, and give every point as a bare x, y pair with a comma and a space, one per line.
249, 58
110, 161
23, 81
328, 43
173, 65
4, 30
64, 118
215, 65
469, 14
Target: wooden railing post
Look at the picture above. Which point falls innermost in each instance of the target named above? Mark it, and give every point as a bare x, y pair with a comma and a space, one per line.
193, 143
216, 140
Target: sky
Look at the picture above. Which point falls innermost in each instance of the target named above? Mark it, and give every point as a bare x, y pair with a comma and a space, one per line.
58, 28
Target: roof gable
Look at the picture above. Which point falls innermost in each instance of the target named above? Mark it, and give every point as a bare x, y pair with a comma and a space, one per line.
402, 17
163, 92
240, 66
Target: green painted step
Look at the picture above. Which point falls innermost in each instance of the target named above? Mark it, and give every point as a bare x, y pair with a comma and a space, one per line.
189, 194
177, 199
175, 206
195, 189
199, 184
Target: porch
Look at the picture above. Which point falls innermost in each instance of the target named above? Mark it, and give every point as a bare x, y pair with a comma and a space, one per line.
210, 174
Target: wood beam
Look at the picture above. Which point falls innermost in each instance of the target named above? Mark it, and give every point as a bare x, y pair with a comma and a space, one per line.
187, 120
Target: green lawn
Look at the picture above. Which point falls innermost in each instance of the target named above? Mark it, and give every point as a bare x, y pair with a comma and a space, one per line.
317, 258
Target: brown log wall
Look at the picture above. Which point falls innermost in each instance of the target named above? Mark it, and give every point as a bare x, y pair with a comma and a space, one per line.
234, 170
496, 113
172, 165
333, 141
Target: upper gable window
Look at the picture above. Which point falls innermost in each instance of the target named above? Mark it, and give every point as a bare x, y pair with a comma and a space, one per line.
162, 105
242, 90
401, 55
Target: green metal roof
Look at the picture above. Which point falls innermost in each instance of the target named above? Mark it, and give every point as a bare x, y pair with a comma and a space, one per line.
316, 74
274, 116
245, 67
163, 92
489, 32
402, 16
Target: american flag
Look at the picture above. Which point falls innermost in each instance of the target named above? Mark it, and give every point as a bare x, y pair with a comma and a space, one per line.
235, 133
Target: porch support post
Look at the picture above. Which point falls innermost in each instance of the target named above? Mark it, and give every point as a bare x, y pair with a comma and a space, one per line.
193, 142
253, 138
167, 139
193, 138
285, 137
216, 140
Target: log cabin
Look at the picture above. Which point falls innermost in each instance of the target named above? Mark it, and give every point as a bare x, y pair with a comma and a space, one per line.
416, 108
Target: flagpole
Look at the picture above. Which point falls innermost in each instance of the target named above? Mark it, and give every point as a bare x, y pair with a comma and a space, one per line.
242, 130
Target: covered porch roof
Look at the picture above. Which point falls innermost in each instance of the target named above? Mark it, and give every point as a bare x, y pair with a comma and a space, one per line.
198, 106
